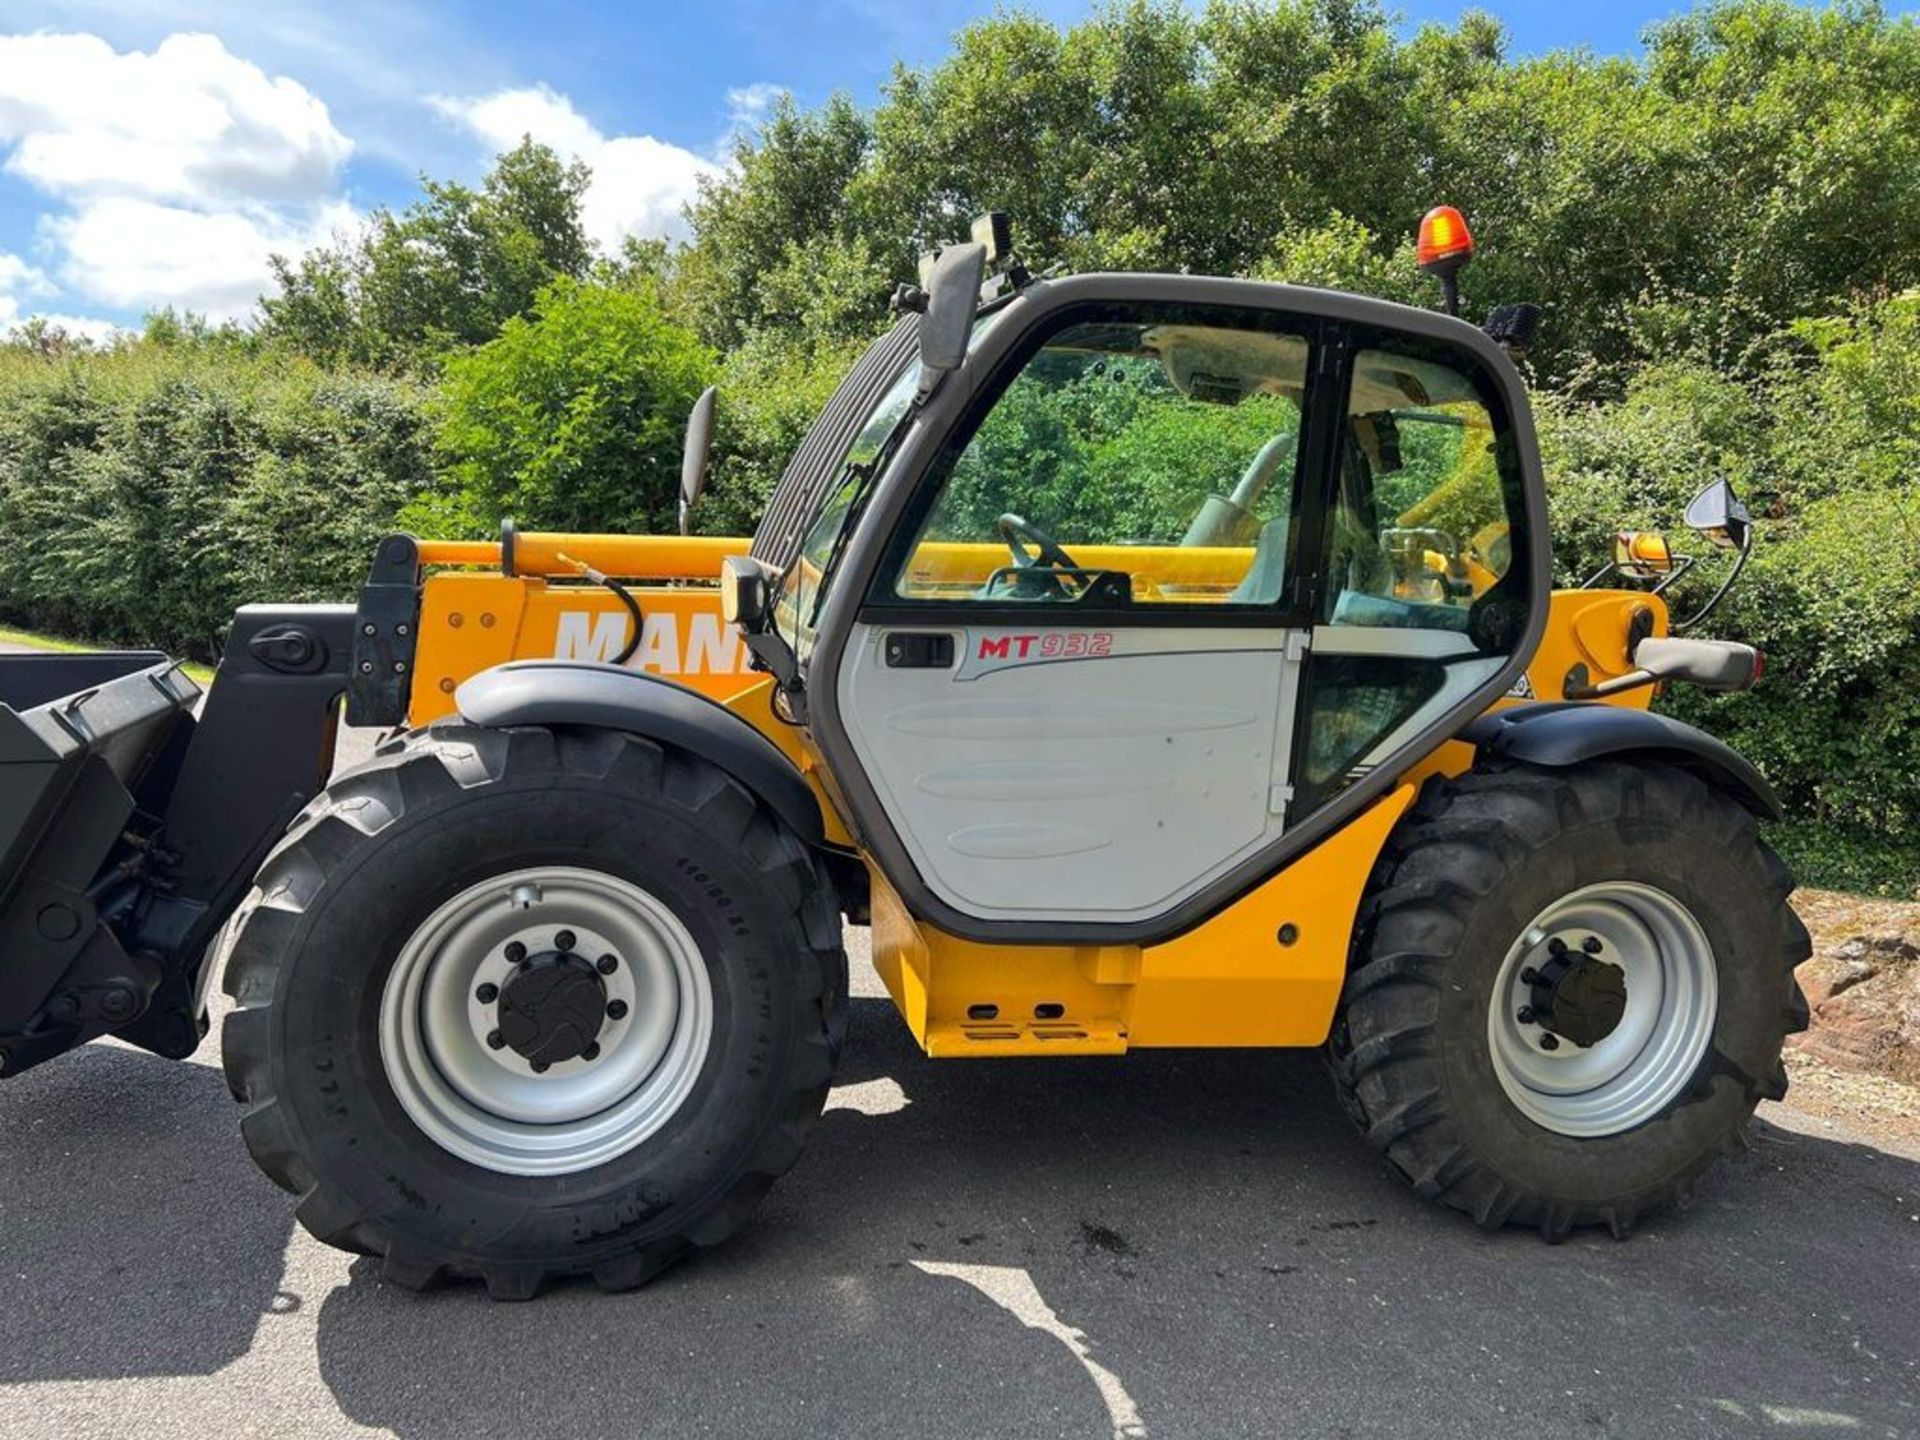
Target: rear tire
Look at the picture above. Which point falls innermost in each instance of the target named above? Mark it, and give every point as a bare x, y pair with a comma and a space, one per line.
367, 1093
1646, 866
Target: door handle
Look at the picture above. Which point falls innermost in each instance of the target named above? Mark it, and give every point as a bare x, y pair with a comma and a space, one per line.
912, 650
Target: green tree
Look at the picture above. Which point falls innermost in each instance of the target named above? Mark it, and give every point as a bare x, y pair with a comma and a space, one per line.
448, 271
783, 205
1758, 165
570, 419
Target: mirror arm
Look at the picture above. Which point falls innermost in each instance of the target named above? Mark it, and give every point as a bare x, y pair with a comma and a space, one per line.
1681, 565
1619, 684
1746, 549
773, 655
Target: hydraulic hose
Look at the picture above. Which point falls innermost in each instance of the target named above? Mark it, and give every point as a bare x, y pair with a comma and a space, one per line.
624, 595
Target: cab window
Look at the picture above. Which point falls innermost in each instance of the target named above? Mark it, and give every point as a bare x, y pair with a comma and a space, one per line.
1426, 586
1420, 529
1129, 461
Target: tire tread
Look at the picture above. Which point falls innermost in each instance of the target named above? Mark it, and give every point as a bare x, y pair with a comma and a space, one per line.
427, 767
1433, 869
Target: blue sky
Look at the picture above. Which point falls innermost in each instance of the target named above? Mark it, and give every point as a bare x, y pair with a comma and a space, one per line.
153, 152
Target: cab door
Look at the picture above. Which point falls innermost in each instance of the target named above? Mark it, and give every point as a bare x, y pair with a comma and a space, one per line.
1072, 683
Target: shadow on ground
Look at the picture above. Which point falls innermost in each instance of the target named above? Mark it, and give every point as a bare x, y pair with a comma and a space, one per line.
1168, 1244
136, 1238
1235, 1261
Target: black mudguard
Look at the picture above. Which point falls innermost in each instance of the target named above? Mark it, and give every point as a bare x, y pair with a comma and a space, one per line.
1561, 734
579, 692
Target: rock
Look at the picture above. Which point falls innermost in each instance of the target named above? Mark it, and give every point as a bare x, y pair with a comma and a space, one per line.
1864, 995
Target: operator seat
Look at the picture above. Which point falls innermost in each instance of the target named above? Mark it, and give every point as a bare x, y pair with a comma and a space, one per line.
1268, 573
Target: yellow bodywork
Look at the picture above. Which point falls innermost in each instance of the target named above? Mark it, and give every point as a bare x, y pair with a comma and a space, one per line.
1265, 971
471, 619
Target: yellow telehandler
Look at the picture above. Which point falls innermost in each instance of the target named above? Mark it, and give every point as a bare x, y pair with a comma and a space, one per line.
1149, 660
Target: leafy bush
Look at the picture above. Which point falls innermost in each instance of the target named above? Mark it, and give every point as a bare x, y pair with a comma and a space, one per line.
571, 418
1824, 444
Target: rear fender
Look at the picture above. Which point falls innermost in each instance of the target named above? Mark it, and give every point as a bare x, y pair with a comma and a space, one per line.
611, 697
1558, 735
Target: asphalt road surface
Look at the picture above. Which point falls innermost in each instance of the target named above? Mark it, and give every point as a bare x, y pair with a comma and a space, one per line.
1168, 1245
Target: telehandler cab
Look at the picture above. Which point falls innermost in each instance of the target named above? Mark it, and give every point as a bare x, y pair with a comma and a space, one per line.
1151, 660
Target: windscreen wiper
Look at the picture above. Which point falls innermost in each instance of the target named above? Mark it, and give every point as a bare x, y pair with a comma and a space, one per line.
864, 477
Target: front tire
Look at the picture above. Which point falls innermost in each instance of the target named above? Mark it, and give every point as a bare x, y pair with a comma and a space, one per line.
524, 1004
1570, 989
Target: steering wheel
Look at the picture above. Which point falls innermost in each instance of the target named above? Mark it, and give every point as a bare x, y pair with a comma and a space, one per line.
1036, 572
1046, 550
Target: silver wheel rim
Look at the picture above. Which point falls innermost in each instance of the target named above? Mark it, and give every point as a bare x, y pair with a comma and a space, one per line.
1672, 999
487, 1104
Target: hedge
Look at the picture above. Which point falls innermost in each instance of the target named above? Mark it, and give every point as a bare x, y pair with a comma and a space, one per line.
147, 491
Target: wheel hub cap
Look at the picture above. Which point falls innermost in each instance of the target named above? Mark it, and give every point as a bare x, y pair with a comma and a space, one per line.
1579, 998
552, 1009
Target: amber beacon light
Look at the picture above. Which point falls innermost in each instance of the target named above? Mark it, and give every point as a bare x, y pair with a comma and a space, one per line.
1443, 249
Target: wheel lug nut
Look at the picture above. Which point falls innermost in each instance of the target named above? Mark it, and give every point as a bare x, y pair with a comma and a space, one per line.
563, 942
496, 1041
1556, 946
616, 1009
1592, 945
592, 1052
1549, 1041
516, 952
1529, 976
1526, 1015
487, 994
540, 1067
607, 964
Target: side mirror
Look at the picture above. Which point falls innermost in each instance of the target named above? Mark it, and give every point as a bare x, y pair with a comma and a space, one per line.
746, 600
952, 279
693, 456
1721, 516
1710, 664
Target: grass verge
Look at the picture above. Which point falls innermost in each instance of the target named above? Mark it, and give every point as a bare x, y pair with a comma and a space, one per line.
9, 635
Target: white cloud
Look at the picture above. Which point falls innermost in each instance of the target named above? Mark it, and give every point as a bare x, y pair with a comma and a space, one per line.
640, 187
189, 122
640, 184
180, 170
503, 118
747, 105
17, 277
20, 282
137, 254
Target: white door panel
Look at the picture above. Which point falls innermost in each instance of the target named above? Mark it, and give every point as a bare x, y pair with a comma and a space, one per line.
1107, 783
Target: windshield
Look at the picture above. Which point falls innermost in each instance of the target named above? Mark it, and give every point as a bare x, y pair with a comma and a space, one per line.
1134, 455
802, 587
799, 602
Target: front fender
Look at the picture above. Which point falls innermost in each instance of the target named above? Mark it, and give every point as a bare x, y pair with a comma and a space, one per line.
610, 697
1564, 734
